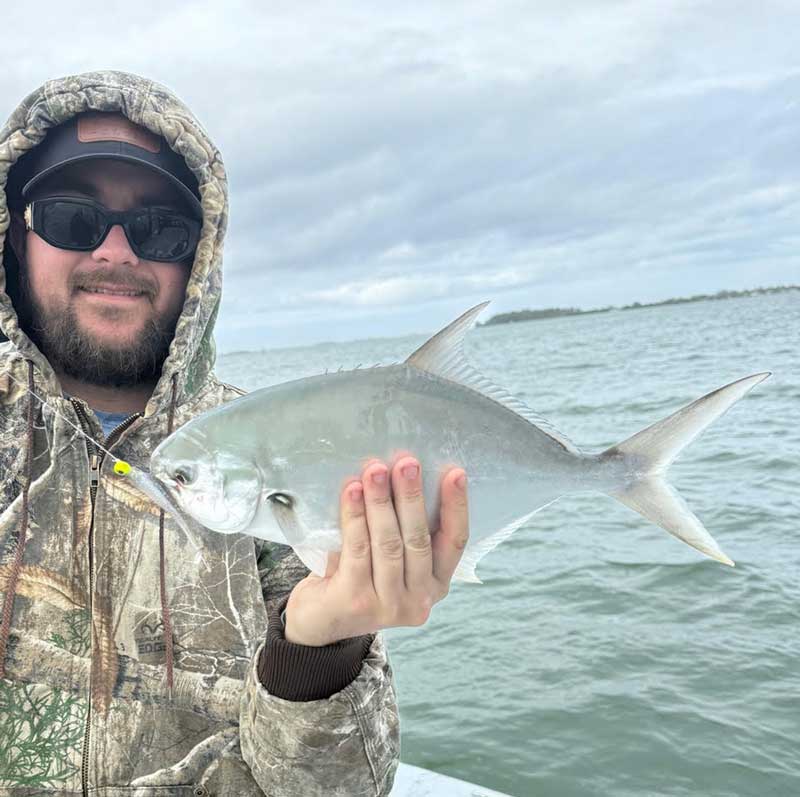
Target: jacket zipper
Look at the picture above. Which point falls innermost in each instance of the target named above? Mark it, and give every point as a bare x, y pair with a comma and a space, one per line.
96, 457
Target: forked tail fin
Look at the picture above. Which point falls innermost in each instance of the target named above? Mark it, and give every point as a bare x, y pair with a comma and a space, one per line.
645, 457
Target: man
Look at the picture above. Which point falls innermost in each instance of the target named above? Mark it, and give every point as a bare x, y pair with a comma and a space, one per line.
133, 654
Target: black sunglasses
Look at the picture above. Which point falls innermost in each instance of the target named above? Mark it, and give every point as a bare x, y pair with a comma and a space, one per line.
81, 225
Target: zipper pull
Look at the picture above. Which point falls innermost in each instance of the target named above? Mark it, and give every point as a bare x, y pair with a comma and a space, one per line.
94, 470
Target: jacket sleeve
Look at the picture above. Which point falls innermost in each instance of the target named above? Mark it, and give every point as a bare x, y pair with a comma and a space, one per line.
345, 744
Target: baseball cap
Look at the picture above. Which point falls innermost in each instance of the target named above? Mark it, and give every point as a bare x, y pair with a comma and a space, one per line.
93, 135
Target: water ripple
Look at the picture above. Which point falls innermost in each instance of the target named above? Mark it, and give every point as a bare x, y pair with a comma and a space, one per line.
602, 656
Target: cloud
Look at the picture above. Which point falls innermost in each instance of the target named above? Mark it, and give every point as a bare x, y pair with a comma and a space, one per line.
389, 167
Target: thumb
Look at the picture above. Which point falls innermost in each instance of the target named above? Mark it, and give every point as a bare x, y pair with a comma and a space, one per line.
333, 563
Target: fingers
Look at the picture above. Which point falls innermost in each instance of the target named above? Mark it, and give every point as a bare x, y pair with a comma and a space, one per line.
409, 504
384, 534
356, 557
449, 543
391, 567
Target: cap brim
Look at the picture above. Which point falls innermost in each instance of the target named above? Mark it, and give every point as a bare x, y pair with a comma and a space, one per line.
185, 192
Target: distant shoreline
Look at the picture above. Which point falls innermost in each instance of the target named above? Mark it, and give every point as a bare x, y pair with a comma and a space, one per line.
556, 312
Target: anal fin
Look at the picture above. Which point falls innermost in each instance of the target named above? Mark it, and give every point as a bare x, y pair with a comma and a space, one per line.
474, 553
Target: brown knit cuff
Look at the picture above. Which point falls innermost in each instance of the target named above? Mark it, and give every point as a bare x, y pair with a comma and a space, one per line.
303, 672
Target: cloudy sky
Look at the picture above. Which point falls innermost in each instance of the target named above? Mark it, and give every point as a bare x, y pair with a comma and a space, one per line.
391, 164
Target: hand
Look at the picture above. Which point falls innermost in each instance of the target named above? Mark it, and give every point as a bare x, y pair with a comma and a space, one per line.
391, 570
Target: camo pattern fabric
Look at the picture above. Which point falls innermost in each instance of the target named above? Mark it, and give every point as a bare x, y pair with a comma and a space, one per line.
87, 666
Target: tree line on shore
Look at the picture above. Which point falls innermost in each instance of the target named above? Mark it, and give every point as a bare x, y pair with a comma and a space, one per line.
553, 312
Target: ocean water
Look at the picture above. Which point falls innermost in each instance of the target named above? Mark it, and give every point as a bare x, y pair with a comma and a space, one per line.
601, 656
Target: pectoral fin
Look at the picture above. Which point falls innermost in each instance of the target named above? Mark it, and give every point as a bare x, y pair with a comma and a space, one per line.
315, 559
282, 505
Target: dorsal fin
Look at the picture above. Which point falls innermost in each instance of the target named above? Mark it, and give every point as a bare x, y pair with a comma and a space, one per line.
443, 355
444, 352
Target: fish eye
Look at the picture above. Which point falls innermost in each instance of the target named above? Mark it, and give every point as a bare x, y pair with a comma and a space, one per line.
284, 499
183, 475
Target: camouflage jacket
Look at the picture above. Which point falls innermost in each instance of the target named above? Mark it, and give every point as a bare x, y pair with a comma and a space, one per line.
85, 705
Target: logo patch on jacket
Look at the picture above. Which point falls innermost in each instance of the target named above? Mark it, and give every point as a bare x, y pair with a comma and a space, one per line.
149, 636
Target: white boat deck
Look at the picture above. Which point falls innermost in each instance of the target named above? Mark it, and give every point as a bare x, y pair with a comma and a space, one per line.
412, 781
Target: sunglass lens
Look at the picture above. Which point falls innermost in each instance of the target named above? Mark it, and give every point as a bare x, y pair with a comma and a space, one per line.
72, 225
161, 235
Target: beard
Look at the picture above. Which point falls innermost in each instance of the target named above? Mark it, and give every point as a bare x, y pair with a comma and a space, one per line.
78, 353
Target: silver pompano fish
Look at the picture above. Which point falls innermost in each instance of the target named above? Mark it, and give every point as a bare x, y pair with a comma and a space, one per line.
272, 463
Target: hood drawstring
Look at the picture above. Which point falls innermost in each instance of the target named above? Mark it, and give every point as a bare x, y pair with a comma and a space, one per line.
165, 615
11, 583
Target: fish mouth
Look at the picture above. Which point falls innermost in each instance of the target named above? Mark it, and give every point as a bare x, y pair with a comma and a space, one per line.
158, 491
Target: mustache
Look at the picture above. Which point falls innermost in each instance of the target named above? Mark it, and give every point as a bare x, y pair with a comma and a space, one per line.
123, 279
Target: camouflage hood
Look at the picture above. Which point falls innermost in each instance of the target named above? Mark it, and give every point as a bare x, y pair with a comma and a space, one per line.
156, 108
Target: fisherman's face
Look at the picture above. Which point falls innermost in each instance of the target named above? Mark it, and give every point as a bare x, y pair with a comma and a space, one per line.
104, 316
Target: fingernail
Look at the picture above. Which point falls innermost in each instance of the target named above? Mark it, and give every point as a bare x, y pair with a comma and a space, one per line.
379, 477
410, 472
355, 492
461, 481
